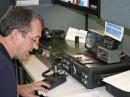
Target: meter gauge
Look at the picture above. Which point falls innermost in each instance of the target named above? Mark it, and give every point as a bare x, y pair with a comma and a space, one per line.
90, 40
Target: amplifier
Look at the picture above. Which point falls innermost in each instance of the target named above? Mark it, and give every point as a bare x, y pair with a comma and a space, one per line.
89, 75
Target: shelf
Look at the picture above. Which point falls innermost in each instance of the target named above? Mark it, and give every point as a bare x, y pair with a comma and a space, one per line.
92, 9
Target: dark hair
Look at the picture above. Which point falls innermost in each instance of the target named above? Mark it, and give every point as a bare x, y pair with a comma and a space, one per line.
18, 18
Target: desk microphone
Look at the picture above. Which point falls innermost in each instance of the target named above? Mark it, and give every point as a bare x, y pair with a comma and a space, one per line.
57, 78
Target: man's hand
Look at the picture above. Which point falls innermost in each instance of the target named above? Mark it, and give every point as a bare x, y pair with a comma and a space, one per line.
28, 90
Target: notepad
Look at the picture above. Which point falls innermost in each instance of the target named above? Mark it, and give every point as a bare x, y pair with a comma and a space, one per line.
86, 94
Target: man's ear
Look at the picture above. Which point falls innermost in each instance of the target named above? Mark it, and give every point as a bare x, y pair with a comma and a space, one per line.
14, 35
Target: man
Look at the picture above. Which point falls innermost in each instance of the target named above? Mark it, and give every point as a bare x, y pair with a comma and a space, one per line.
20, 31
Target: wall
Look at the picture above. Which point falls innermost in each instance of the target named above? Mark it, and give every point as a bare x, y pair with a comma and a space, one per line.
116, 11
58, 17
4, 6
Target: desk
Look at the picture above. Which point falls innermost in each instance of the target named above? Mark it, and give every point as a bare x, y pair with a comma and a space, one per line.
71, 88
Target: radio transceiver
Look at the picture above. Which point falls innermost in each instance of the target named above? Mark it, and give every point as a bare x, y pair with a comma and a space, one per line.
89, 74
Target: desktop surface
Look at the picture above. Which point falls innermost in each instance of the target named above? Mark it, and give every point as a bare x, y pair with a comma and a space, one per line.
57, 45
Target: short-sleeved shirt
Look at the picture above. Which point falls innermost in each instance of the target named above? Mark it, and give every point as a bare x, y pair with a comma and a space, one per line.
7, 74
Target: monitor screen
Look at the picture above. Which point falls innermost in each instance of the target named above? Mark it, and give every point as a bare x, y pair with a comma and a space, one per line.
114, 31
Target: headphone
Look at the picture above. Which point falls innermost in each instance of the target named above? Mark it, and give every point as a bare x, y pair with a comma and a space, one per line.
49, 34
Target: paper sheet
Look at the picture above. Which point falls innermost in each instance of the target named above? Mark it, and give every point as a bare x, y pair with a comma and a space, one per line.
70, 87
87, 94
121, 80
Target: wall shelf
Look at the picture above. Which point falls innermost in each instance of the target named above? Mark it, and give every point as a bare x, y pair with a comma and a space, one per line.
94, 6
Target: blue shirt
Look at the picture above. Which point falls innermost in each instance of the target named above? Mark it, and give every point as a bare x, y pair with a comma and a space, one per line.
7, 74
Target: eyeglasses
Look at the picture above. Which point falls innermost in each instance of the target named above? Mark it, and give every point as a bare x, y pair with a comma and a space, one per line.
33, 40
